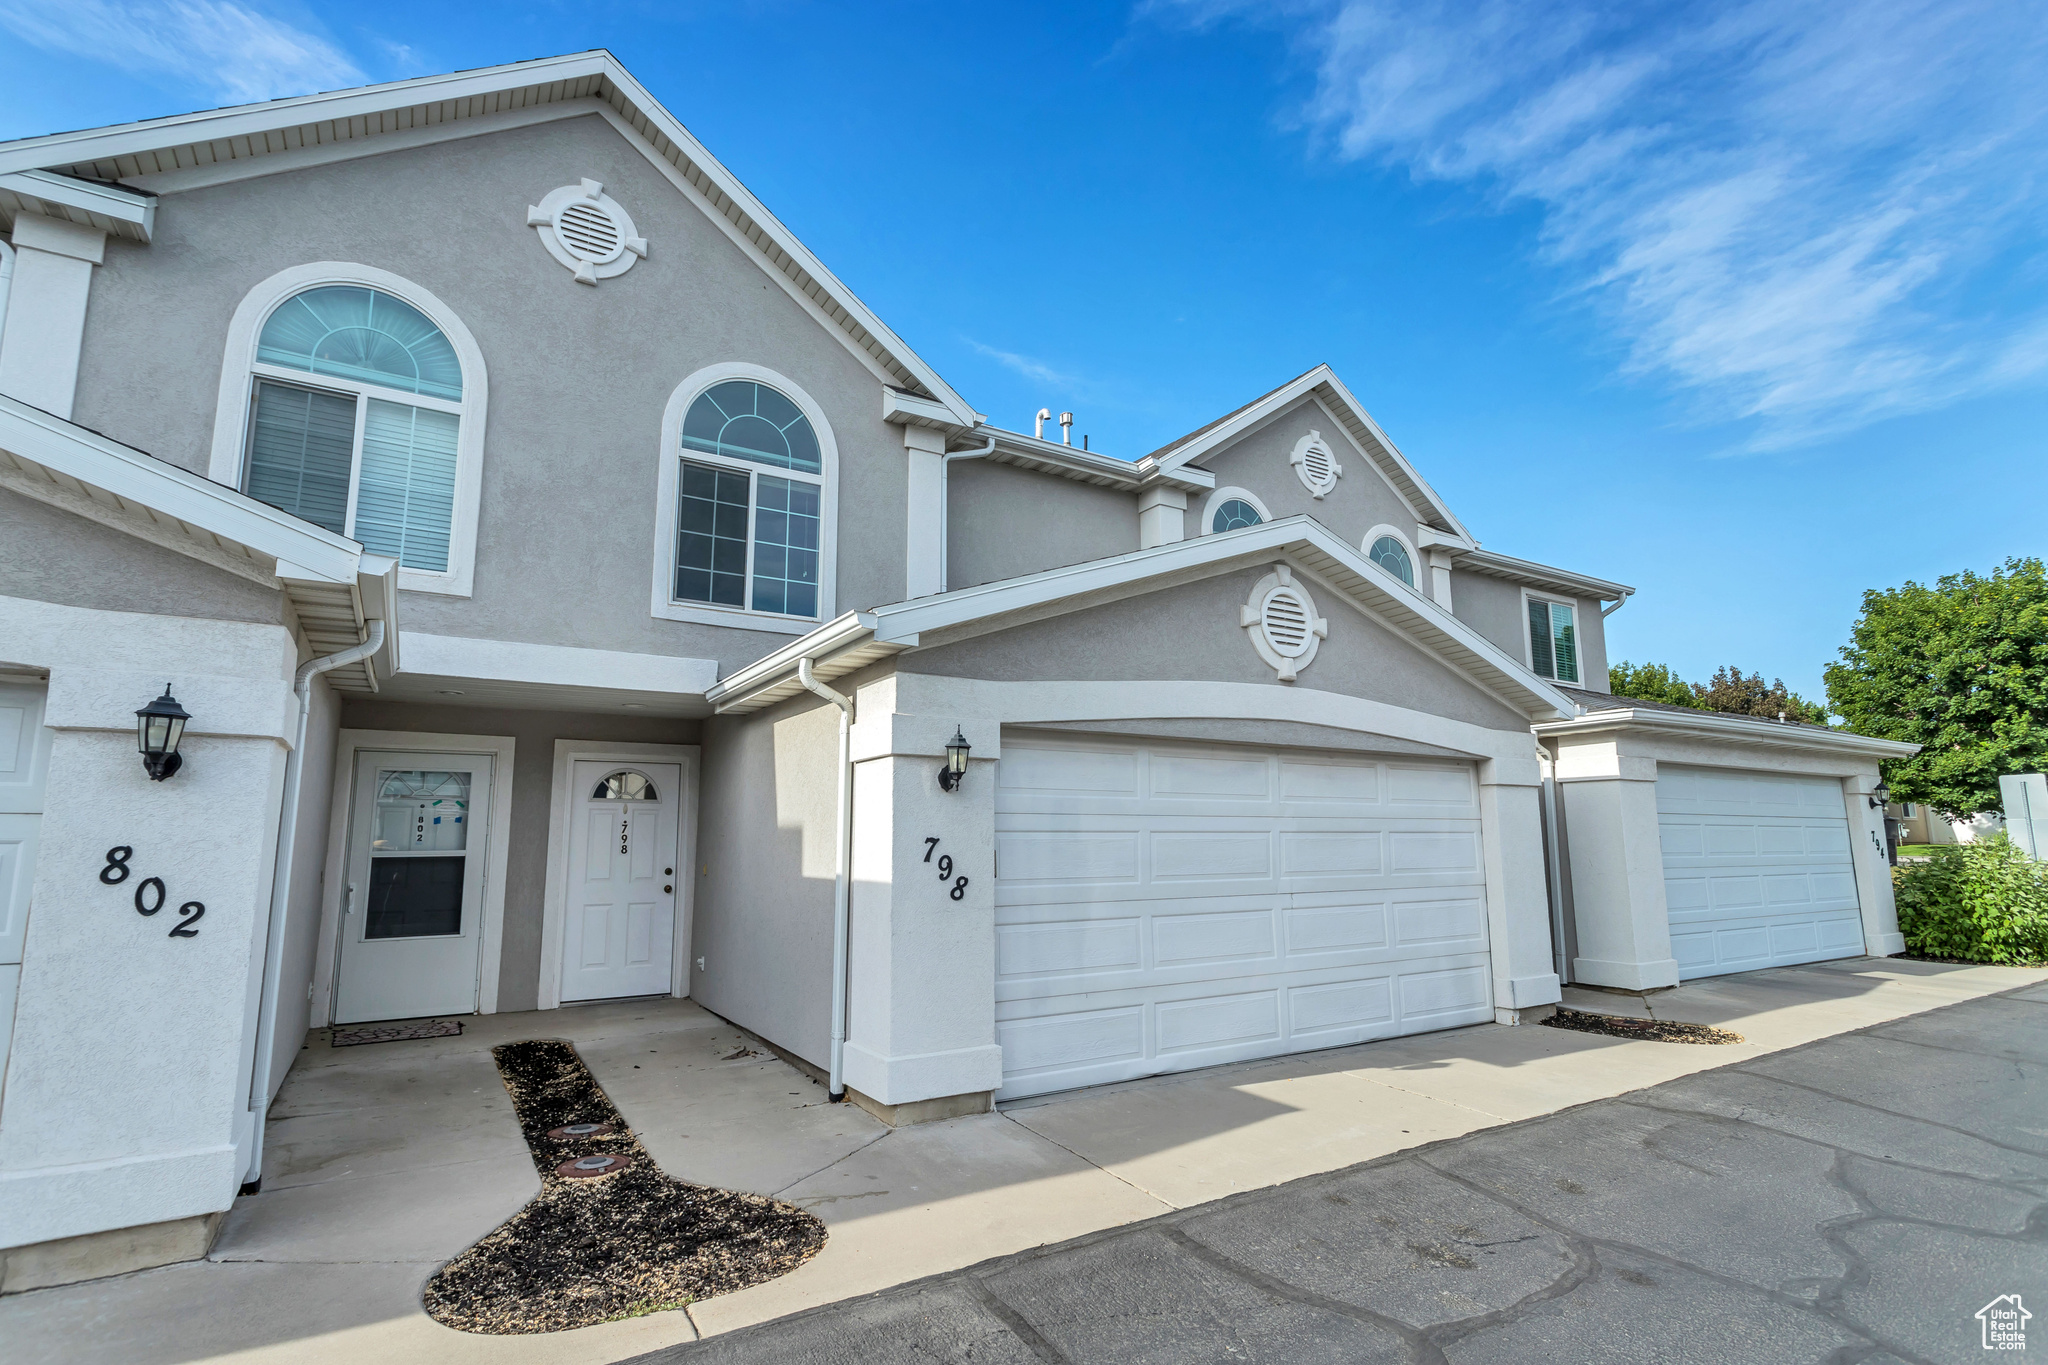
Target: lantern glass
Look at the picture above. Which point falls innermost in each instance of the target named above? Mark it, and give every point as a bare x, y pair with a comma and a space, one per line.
159, 727
956, 753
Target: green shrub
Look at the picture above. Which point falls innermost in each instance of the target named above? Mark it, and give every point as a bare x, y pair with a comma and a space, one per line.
1980, 902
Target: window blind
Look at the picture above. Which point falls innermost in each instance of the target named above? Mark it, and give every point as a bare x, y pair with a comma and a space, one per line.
301, 445
1553, 641
406, 502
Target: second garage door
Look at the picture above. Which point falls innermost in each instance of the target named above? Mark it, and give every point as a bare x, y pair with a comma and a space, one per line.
1757, 869
1162, 906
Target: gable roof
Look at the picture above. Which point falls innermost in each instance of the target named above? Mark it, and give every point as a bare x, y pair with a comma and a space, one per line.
857, 639
442, 105
334, 587
1322, 383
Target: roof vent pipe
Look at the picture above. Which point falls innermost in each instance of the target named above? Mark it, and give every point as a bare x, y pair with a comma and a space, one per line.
1066, 428
1044, 416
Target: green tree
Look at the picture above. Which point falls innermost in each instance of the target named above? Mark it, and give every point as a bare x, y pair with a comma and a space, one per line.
1651, 682
1730, 691
1961, 669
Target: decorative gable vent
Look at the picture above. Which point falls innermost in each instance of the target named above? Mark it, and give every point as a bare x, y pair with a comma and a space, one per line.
1282, 620
587, 231
1316, 463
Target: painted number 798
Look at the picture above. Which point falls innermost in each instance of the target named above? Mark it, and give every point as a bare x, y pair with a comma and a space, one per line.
945, 866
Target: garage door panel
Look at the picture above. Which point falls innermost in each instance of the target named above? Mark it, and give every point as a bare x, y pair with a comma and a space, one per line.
1449, 921
1205, 1023
1068, 856
1344, 925
1068, 948
1211, 855
1070, 772
1456, 995
1410, 785
1177, 777
1341, 1006
1349, 784
1324, 853
1441, 851
1757, 870
1217, 937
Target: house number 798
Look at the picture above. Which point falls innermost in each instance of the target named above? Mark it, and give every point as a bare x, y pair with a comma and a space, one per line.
945, 866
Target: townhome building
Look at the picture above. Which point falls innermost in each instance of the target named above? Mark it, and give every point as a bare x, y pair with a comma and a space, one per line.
460, 553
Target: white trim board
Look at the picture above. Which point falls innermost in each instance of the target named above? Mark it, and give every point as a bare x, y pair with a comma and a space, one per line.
555, 895
490, 949
460, 656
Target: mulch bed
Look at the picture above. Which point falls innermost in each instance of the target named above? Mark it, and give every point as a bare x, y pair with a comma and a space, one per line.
1655, 1030
591, 1250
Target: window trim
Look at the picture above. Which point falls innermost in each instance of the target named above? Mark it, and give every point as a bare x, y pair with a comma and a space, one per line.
662, 604
1223, 495
240, 370
1529, 646
1415, 563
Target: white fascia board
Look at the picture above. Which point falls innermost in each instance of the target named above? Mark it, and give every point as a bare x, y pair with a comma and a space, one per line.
1539, 575
1350, 401
834, 637
1089, 466
86, 456
915, 410
905, 622
454, 656
106, 207
1731, 728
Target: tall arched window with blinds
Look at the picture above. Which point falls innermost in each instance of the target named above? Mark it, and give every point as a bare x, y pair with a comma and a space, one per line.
356, 419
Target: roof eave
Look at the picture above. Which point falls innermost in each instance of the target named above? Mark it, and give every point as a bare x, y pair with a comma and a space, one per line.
1733, 728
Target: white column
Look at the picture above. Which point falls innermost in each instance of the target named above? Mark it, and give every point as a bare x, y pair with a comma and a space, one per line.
921, 960
45, 322
1162, 516
1881, 936
1617, 860
1439, 577
1517, 901
924, 542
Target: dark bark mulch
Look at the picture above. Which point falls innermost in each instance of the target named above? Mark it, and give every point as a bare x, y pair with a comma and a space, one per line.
589, 1251
1655, 1030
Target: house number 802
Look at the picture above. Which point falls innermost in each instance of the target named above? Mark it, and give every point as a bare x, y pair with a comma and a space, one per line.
945, 865
149, 893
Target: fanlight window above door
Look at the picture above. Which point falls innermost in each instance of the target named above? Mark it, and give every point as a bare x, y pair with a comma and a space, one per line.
625, 785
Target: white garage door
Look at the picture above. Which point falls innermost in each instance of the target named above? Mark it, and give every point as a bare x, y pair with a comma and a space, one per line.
24, 763
1756, 870
1163, 906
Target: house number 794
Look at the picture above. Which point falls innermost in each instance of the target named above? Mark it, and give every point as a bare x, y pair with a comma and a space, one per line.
945, 865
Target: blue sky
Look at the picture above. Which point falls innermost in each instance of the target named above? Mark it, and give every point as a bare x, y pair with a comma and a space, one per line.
1744, 304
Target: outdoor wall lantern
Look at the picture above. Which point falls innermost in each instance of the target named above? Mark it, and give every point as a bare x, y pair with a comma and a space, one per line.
158, 728
1880, 795
951, 775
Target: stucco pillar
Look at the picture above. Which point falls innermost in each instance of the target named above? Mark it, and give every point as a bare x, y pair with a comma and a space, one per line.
1439, 577
1517, 894
924, 569
1881, 936
921, 958
1162, 516
1617, 861
45, 322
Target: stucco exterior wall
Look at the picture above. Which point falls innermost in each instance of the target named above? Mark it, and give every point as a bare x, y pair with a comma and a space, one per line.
579, 376
767, 847
1192, 632
1004, 522
53, 556
302, 911
1258, 461
1494, 608
526, 866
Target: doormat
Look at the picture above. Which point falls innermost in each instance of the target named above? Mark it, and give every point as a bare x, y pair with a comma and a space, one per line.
1654, 1030
618, 1244
396, 1033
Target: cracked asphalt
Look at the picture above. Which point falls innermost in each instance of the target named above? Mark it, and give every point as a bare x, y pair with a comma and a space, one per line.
1854, 1200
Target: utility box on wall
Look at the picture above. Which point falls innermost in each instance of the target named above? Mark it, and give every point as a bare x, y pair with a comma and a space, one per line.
2025, 797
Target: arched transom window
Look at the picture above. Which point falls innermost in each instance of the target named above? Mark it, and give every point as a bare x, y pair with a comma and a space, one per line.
1391, 555
1233, 514
356, 419
625, 785
745, 536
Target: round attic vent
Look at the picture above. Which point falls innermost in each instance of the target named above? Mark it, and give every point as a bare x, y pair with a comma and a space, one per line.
1316, 464
587, 231
1282, 621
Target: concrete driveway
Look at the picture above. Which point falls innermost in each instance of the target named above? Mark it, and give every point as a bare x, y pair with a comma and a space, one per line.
385, 1161
1856, 1199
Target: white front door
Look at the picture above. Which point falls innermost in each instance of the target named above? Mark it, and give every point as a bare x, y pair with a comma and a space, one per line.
1757, 869
1163, 906
619, 938
24, 764
412, 922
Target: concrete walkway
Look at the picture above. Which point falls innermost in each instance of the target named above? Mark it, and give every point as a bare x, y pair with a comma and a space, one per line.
1857, 1199
386, 1160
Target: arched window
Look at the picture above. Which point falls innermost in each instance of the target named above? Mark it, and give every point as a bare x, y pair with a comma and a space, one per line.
1391, 555
1233, 514
751, 468
625, 785
354, 399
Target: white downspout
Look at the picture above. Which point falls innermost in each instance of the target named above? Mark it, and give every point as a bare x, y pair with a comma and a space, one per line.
842, 875
945, 500
281, 891
1621, 602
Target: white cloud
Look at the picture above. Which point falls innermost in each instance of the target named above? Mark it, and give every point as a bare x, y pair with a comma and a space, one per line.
1031, 369
1806, 213
232, 52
